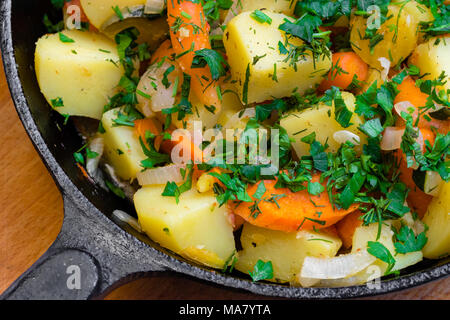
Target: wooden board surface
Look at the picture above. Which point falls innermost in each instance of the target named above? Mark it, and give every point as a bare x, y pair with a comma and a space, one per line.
31, 216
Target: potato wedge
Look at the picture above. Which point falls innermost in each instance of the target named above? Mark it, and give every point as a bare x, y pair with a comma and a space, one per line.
81, 75
286, 251
101, 13
321, 120
368, 233
437, 219
377, 269
261, 71
433, 58
399, 33
122, 148
196, 228
281, 6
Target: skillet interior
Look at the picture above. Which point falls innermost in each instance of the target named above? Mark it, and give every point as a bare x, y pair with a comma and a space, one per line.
63, 141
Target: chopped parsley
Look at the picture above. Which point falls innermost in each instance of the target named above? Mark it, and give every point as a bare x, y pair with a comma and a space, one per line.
64, 38
408, 242
261, 17
216, 62
379, 251
262, 271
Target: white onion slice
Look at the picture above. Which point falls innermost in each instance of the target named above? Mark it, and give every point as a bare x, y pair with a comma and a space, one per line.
308, 282
339, 267
126, 218
392, 138
344, 135
162, 175
95, 145
386, 65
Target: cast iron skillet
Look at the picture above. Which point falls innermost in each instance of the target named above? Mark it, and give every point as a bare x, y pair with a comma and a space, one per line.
109, 254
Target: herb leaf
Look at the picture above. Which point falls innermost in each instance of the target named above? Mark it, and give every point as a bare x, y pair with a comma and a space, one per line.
262, 271
216, 62
378, 250
408, 242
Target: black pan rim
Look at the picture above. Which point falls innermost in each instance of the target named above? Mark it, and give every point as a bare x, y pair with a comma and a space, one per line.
67, 188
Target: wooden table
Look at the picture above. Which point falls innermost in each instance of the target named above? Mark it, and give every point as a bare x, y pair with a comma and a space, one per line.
31, 214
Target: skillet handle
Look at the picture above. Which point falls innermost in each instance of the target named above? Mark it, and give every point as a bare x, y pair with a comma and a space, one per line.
90, 257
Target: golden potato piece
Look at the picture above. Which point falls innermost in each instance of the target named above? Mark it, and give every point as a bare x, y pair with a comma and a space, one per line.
432, 58
286, 251
399, 34
196, 228
261, 71
321, 120
437, 219
122, 147
81, 75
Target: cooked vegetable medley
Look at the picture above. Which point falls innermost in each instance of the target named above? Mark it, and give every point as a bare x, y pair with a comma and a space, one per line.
301, 142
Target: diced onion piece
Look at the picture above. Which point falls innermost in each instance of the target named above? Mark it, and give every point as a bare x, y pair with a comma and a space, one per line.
344, 135
154, 6
392, 138
152, 95
339, 267
162, 175
386, 65
122, 216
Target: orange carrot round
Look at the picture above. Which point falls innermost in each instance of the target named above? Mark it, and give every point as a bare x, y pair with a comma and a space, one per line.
164, 51
292, 211
347, 226
187, 145
189, 32
409, 92
346, 65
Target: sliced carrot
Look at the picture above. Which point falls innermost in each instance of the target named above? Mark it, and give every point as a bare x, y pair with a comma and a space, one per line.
187, 145
291, 211
190, 33
409, 92
346, 65
347, 226
84, 172
164, 51
143, 125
